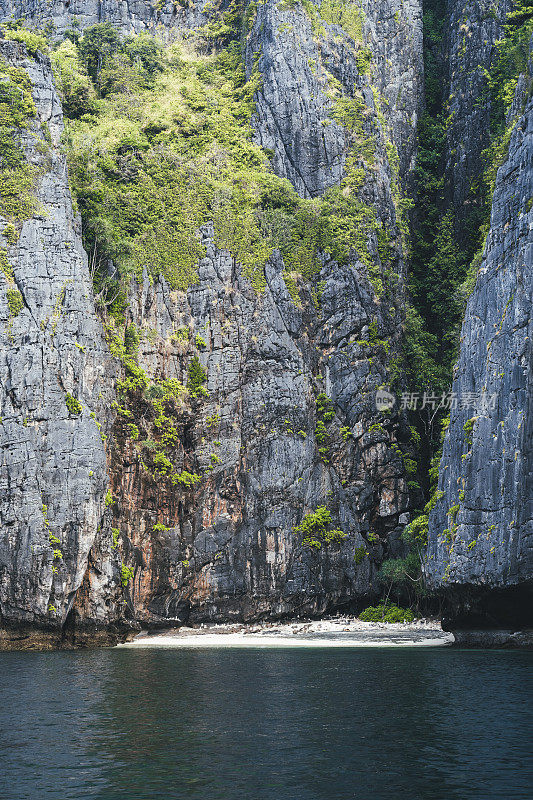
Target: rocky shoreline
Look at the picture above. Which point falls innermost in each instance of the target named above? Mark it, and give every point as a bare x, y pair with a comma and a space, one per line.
340, 631
32, 638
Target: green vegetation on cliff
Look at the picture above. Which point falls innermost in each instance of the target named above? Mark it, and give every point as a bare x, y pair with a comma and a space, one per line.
17, 201
511, 60
151, 413
160, 143
447, 251
434, 265
316, 529
164, 147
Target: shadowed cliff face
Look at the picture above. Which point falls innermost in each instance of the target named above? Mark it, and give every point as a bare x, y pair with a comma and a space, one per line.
480, 553
486, 467
223, 546
472, 31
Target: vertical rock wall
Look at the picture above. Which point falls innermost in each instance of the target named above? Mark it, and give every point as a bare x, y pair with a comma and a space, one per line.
306, 58
471, 31
223, 548
129, 16
226, 548
480, 553
52, 459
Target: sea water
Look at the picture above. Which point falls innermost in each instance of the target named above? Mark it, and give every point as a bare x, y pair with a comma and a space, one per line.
306, 723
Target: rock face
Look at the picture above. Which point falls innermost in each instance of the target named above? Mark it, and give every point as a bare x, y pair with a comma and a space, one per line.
132, 16
97, 532
228, 549
304, 60
471, 32
480, 553
52, 459
223, 548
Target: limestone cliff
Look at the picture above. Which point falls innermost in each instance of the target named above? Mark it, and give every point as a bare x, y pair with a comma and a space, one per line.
226, 548
288, 423
471, 32
56, 373
480, 553
206, 445
131, 16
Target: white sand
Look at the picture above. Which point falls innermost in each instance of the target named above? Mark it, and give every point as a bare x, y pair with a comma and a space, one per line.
337, 632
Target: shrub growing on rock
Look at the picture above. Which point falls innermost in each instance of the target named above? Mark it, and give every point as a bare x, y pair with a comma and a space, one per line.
386, 613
